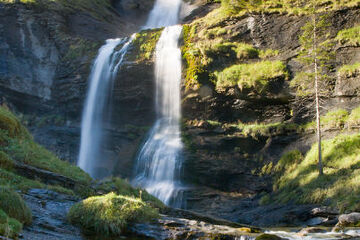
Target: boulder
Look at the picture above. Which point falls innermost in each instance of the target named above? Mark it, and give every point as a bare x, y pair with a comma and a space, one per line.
305, 231
348, 220
266, 236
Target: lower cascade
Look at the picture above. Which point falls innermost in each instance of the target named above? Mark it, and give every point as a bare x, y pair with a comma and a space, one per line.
159, 162
96, 107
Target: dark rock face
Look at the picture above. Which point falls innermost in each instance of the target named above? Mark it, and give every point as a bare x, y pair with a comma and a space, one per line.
228, 160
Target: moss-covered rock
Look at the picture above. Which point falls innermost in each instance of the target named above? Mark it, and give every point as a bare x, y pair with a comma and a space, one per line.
110, 214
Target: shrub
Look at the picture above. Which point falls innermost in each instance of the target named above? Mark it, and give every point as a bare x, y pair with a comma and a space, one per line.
14, 206
110, 214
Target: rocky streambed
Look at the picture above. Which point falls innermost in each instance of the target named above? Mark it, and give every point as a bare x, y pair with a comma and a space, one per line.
50, 208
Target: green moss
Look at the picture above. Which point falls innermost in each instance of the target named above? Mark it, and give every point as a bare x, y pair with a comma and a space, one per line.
349, 70
9, 227
110, 214
14, 206
339, 186
145, 43
333, 119
349, 36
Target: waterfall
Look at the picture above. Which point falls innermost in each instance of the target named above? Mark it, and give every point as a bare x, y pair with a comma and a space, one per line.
159, 161
97, 104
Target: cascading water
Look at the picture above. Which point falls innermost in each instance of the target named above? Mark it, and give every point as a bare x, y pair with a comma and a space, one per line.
101, 79
160, 159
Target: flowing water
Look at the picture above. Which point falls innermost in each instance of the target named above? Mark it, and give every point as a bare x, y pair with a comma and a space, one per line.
159, 161
96, 107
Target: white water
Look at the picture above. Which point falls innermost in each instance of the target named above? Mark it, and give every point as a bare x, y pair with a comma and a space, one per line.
159, 161
101, 79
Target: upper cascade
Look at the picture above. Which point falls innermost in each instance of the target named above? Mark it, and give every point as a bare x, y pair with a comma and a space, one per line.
165, 13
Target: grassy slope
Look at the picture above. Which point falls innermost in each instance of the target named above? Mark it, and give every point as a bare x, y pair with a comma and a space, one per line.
16, 144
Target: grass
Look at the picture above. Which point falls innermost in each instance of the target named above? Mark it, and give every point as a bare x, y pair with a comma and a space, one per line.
145, 43
262, 129
337, 118
349, 36
9, 227
14, 206
297, 179
19, 144
110, 214
255, 76
354, 118
349, 70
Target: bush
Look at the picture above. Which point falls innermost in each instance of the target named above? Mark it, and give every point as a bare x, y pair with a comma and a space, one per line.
110, 214
14, 206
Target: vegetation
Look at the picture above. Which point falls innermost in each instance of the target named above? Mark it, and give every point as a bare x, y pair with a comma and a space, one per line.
110, 214
18, 143
349, 36
14, 206
145, 43
349, 70
254, 76
354, 118
296, 177
9, 227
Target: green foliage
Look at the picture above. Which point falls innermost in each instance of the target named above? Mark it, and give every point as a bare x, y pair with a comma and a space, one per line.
288, 161
339, 186
349, 70
255, 76
20, 146
110, 214
122, 187
354, 118
261, 129
5, 161
335, 119
9, 227
145, 43
14, 206
349, 36
195, 69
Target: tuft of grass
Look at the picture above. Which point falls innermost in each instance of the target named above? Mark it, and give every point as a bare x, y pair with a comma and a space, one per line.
349, 36
298, 180
5, 161
110, 214
255, 76
9, 227
14, 206
349, 70
354, 118
122, 187
335, 119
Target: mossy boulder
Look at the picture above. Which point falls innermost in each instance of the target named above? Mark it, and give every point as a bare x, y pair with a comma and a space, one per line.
110, 214
348, 220
14, 206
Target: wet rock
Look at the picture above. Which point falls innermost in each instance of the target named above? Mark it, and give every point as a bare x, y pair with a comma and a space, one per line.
348, 220
49, 211
266, 236
306, 231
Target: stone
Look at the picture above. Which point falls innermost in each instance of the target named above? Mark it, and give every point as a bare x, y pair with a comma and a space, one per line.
266, 236
349, 220
305, 231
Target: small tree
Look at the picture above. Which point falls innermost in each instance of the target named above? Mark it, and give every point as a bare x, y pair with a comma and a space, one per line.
315, 53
